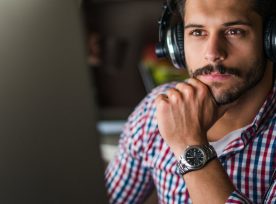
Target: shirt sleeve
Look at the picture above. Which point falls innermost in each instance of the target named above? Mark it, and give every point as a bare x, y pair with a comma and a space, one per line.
238, 198
128, 177
271, 194
127, 180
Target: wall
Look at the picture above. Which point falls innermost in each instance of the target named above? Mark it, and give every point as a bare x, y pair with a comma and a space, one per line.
124, 27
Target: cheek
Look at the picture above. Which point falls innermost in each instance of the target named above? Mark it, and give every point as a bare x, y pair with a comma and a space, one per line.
244, 56
249, 49
193, 55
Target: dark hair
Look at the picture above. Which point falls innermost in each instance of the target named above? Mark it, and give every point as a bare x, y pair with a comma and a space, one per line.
264, 8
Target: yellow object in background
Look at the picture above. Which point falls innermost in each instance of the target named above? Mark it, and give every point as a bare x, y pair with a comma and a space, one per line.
160, 70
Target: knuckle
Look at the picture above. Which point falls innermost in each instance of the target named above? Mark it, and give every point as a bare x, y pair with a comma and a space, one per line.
186, 88
160, 98
161, 103
178, 96
188, 91
173, 93
181, 86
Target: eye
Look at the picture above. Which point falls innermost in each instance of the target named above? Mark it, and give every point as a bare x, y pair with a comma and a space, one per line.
235, 32
198, 32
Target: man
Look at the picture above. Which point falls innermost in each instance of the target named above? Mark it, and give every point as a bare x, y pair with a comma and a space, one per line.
209, 139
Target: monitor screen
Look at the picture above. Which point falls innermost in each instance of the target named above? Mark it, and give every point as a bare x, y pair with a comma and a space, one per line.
49, 146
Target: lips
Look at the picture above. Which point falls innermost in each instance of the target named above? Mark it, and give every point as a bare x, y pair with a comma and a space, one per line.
216, 72
215, 76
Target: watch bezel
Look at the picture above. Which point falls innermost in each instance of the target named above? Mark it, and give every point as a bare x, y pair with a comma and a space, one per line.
190, 166
208, 153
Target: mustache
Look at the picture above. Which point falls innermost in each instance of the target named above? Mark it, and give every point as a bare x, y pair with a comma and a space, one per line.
208, 69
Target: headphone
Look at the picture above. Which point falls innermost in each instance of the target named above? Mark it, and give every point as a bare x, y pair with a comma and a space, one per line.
171, 38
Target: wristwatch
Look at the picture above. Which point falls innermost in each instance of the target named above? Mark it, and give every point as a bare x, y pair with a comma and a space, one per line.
195, 157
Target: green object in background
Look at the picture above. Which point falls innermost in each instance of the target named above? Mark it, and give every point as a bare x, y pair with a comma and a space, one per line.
163, 75
160, 71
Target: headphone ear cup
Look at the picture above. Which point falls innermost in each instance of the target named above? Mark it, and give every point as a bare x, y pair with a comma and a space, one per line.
175, 45
179, 43
270, 39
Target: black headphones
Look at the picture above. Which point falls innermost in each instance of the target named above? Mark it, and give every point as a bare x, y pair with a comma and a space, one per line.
171, 39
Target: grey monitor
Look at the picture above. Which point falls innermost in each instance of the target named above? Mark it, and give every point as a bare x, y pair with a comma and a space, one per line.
49, 147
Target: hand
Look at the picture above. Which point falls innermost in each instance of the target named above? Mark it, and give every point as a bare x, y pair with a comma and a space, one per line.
185, 113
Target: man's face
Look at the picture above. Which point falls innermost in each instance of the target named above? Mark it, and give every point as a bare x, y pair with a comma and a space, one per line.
223, 46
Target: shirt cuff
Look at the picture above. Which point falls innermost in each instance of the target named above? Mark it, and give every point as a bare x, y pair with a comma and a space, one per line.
237, 197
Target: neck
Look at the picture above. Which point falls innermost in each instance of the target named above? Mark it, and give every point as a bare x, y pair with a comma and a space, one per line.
243, 111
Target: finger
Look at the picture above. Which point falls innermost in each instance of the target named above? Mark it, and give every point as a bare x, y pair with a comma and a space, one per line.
187, 90
161, 98
203, 91
182, 85
174, 95
200, 87
162, 105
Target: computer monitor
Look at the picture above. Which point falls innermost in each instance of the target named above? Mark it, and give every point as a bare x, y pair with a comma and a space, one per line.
49, 147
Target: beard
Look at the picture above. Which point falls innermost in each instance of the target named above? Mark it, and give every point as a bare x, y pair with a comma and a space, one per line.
248, 80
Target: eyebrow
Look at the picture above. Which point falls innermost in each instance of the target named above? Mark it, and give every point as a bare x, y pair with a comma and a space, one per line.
239, 22
232, 23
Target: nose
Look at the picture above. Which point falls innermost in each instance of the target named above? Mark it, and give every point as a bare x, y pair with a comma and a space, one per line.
215, 49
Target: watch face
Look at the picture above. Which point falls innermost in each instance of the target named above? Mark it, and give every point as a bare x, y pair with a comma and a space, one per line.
195, 157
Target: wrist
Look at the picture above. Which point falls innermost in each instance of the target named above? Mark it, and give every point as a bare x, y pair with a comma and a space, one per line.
191, 141
195, 157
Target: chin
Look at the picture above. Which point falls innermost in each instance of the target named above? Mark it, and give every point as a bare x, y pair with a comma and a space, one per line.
227, 96
226, 99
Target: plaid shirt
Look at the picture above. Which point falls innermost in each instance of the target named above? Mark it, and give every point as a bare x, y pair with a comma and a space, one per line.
144, 160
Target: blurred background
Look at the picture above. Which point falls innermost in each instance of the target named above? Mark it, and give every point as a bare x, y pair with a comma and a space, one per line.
121, 37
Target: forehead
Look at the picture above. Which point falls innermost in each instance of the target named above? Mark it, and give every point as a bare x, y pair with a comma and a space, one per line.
217, 10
